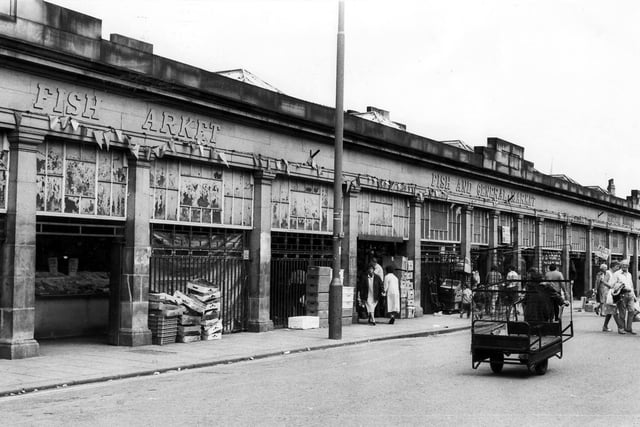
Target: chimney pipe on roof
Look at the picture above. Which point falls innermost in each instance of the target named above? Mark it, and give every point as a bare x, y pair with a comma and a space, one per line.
611, 187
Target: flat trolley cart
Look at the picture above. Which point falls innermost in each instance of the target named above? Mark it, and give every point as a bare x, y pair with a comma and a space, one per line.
515, 323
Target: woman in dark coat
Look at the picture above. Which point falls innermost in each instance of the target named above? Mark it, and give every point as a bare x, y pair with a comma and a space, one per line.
540, 299
368, 292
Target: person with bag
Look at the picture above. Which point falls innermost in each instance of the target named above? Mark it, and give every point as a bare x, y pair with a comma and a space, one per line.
602, 287
622, 288
368, 292
608, 307
392, 292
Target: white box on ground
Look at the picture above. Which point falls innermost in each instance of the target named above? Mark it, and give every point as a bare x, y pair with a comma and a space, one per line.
304, 322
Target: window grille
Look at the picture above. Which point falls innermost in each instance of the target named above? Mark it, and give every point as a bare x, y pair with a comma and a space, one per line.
441, 222
552, 234
480, 227
528, 238
578, 238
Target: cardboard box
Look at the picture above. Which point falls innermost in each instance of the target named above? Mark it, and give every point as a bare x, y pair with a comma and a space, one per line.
304, 322
317, 305
322, 314
400, 262
317, 297
410, 312
348, 295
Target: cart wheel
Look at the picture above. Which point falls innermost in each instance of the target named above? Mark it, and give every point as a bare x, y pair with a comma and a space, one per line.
541, 367
496, 363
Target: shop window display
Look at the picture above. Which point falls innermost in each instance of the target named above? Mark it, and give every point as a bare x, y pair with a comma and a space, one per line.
300, 205
80, 180
200, 193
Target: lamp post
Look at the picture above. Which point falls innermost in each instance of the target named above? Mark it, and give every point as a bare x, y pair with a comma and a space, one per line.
335, 289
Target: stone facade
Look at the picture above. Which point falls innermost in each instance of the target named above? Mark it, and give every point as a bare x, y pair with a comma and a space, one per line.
60, 83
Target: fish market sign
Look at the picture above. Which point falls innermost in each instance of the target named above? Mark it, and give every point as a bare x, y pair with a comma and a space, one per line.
181, 127
467, 187
69, 103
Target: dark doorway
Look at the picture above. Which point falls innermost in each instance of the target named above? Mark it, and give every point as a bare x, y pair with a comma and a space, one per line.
72, 278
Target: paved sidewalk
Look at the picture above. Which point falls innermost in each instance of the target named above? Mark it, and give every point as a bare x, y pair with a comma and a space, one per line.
79, 361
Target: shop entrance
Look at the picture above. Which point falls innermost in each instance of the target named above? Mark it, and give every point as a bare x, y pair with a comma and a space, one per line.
382, 251
74, 260
577, 274
291, 256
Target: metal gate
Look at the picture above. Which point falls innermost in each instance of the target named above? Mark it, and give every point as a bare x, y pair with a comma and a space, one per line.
169, 273
288, 287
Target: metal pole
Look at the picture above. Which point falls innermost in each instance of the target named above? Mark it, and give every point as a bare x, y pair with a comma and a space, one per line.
335, 290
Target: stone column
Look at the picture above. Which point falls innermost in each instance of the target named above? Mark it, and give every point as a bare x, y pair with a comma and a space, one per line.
517, 246
414, 251
466, 221
588, 264
18, 255
537, 254
129, 326
349, 260
609, 238
566, 248
260, 249
625, 248
494, 221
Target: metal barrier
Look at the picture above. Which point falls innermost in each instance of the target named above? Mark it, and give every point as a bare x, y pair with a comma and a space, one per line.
288, 287
169, 273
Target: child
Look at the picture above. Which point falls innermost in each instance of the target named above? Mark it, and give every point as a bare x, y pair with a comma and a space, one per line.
466, 301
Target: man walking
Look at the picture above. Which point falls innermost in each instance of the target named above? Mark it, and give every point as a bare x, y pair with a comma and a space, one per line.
623, 288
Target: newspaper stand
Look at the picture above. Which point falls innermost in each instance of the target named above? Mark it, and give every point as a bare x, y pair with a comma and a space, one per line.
500, 334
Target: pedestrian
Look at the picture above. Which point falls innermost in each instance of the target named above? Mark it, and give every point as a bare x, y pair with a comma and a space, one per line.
512, 290
466, 300
622, 286
368, 291
377, 268
378, 271
392, 292
556, 280
493, 284
602, 288
541, 299
608, 308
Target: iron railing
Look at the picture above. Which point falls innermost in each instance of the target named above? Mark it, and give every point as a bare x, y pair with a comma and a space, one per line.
169, 273
288, 287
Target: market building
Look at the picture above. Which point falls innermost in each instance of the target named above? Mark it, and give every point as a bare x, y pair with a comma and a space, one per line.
123, 172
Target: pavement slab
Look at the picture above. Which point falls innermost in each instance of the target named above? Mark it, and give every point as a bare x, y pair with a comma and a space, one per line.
68, 362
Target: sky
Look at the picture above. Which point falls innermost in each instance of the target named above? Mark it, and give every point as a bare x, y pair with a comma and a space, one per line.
560, 78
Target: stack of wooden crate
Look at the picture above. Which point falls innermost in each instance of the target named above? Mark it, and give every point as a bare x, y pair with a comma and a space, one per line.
164, 312
317, 293
317, 296
202, 321
211, 322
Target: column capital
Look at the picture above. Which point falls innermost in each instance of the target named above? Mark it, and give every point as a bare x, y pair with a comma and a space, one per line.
264, 175
22, 138
416, 201
138, 162
350, 189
